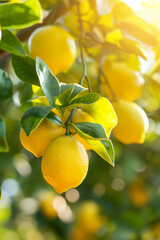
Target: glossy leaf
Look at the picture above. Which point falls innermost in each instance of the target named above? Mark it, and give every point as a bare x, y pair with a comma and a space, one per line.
89, 131
54, 118
25, 69
20, 15
3, 142
64, 97
88, 98
6, 86
103, 113
10, 43
49, 83
33, 117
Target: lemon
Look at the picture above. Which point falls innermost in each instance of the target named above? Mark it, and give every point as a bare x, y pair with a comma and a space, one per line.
139, 195
46, 205
132, 122
89, 219
64, 163
38, 140
79, 116
54, 46
126, 83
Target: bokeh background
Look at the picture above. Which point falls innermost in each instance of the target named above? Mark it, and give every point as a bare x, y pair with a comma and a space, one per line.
121, 203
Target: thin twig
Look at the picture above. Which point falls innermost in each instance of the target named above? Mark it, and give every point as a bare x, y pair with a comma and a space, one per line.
102, 73
85, 75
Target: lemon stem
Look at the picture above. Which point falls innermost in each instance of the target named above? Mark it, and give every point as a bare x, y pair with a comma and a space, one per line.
101, 73
69, 120
85, 75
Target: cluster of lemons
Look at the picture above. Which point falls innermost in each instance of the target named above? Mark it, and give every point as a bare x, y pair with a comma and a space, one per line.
127, 86
65, 160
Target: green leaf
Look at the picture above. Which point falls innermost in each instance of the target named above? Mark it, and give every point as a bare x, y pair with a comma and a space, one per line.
88, 98
3, 142
103, 113
49, 83
25, 69
54, 118
10, 43
64, 97
6, 87
95, 136
20, 15
92, 130
33, 117
77, 88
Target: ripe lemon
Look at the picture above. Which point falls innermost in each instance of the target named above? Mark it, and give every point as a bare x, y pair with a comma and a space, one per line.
46, 205
132, 122
139, 195
79, 116
64, 163
89, 218
54, 46
126, 83
38, 140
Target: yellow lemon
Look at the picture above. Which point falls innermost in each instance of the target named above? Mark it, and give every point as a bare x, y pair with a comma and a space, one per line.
46, 205
126, 83
38, 140
89, 218
79, 116
64, 163
139, 195
132, 122
54, 46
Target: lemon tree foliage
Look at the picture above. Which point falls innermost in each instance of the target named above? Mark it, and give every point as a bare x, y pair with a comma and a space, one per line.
96, 44
20, 15
6, 86
3, 141
10, 43
25, 69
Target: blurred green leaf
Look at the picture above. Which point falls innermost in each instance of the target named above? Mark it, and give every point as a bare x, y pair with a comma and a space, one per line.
25, 69
10, 43
3, 142
33, 117
94, 134
6, 87
20, 15
49, 83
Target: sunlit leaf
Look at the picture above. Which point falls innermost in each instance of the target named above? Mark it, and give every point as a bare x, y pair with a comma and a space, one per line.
91, 132
133, 47
103, 113
139, 29
41, 99
20, 15
49, 82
